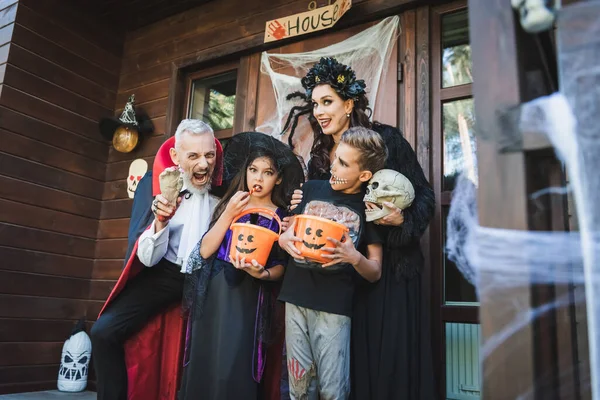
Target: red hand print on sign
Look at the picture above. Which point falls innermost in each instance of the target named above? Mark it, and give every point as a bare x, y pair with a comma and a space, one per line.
295, 369
343, 8
277, 30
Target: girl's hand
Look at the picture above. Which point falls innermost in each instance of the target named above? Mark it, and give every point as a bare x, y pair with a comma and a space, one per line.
343, 252
396, 218
285, 223
253, 269
236, 205
287, 241
296, 199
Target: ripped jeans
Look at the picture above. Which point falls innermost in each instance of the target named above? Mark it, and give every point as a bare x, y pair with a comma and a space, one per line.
318, 354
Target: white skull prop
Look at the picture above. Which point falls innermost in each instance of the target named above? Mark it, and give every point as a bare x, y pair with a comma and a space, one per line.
536, 15
137, 170
74, 363
391, 186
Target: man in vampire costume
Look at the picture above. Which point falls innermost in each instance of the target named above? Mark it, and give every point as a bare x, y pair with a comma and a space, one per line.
137, 339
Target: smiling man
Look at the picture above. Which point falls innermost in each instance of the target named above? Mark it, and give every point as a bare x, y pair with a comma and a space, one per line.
161, 258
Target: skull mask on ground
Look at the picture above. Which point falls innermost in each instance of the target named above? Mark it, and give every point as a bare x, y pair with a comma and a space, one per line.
74, 365
388, 185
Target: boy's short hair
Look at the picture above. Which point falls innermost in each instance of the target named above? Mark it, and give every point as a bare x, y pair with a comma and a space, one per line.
373, 151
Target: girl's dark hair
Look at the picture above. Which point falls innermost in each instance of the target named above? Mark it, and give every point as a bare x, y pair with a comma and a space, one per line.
320, 161
278, 196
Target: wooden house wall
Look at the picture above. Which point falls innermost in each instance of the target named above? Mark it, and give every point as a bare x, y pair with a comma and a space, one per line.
203, 34
59, 72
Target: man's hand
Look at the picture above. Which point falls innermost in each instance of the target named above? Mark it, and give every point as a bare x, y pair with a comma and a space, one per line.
163, 211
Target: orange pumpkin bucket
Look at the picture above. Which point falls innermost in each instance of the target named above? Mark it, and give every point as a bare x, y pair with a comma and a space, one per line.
251, 241
314, 232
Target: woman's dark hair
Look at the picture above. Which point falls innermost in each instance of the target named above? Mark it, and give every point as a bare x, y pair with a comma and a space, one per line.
320, 159
279, 197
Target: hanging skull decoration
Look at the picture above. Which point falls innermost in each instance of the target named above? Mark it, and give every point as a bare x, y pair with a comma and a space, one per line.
536, 15
75, 360
137, 170
388, 185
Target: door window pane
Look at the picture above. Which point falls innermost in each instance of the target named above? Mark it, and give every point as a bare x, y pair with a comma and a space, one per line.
458, 118
463, 378
456, 288
213, 100
456, 50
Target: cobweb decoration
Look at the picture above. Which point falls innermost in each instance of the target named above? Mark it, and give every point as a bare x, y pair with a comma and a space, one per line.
367, 52
501, 263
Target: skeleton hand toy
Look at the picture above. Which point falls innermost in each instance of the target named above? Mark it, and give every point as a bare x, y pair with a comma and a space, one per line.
171, 182
391, 186
536, 15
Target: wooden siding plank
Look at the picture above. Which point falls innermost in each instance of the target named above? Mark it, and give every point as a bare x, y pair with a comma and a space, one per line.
18, 213
34, 150
67, 39
34, 128
25, 283
43, 88
50, 242
29, 193
25, 260
29, 171
45, 48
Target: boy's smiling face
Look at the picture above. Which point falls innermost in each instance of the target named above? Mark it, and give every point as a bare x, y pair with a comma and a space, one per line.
346, 173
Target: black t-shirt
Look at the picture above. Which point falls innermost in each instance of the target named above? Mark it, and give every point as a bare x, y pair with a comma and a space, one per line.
328, 289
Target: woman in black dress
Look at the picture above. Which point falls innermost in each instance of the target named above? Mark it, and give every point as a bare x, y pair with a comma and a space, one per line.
391, 346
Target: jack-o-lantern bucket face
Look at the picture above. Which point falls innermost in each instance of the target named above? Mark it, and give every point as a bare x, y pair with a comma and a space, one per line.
314, 232
253, 242
245, 244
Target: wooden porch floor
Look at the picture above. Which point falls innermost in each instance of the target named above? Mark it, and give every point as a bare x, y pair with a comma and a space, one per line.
50, 395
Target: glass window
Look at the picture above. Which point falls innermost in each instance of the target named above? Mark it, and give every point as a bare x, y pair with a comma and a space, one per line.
458, 118
456, 50
456, 288
213, 100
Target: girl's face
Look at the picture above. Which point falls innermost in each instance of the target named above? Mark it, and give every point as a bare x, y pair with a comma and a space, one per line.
331, 110
261, 175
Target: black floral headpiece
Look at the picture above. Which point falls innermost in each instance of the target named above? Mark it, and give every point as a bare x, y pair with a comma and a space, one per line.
337, 75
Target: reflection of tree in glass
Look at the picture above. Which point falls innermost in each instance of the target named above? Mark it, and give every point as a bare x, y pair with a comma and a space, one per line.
457, 65
220, 110
459, 140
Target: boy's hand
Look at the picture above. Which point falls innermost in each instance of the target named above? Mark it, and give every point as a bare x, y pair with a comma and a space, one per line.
288, 239
343, 252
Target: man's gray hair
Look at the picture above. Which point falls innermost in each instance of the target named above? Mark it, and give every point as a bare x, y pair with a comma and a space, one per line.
193, 127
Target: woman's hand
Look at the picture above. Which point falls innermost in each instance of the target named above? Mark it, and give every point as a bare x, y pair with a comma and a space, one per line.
288, 239
343, 252
296, 199
236, 205
395, 218
253, 269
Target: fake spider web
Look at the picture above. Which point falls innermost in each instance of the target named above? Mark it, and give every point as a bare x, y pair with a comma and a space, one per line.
501, 262
367, 53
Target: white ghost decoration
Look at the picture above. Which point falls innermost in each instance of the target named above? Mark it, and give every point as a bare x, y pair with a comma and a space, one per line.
388, 185
536, 15
75, 361
137, 170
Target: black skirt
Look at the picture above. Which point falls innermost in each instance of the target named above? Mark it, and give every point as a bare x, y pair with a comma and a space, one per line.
220, 359
391, 347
